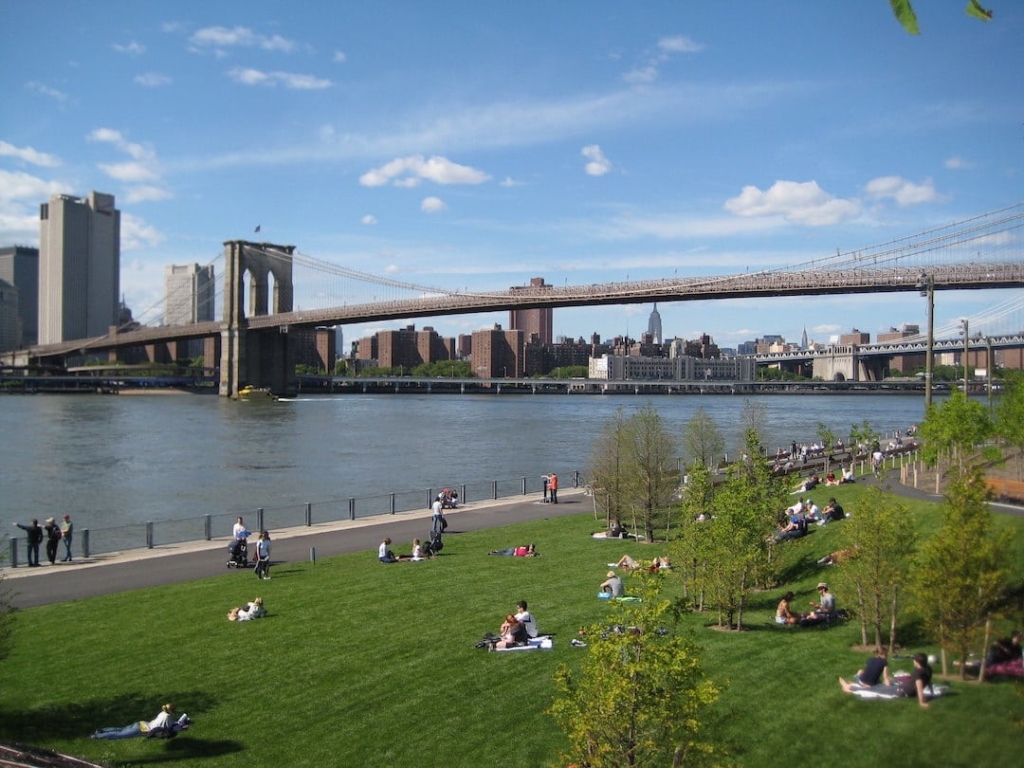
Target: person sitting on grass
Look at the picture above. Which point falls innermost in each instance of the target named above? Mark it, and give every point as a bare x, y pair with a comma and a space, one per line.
524, 617
612, 586
248, 612
384, 553
163, 725
876, 668
783, 613
920, 680
513, 633
661, 563
824, 610
526, 550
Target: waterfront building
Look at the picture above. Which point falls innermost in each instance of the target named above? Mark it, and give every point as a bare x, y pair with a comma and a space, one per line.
533, 322
855, 337
405, 348
540, 359
10, 322
19, 266
903, 363
189, 292
497, 353
679, 368
654, 325
79, 267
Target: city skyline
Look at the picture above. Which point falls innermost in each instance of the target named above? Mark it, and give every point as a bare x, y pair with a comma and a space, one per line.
448, 146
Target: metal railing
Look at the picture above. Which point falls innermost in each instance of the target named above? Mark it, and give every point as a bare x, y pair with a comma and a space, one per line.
209, 527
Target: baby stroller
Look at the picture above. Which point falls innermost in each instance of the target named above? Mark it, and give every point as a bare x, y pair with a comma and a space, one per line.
238, 551
434, 546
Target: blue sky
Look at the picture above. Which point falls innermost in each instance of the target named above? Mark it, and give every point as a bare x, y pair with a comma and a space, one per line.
585, 142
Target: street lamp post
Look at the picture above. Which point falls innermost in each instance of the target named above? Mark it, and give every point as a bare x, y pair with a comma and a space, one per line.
927, 287
965, 330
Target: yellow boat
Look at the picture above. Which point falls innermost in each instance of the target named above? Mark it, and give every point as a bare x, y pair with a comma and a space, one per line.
249, 392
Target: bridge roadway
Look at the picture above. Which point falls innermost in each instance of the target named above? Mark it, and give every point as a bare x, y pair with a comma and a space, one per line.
114, 572
805, 282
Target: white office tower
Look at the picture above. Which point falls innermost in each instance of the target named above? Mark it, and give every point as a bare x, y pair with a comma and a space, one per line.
79, 267
189, 292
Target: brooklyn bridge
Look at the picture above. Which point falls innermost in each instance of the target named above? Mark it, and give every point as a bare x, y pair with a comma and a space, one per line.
259, 282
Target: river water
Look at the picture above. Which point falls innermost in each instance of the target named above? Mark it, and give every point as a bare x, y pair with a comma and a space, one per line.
116, 461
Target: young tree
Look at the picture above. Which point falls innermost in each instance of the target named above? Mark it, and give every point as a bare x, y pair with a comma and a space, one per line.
640, 697
702, 440
1009, 423
610, 467
962, 571
879, 543
951, 432
652, 455
753, 418
690, 546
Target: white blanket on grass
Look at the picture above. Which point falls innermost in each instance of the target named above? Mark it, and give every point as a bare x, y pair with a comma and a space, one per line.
894, 691
539, 643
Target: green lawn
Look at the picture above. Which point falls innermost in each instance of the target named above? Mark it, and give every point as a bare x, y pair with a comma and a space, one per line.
360, 663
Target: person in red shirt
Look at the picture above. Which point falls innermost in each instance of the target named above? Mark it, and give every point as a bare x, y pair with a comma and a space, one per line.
553, 487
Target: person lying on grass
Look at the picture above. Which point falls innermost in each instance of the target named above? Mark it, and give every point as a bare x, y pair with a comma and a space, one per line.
528, 550
162, 726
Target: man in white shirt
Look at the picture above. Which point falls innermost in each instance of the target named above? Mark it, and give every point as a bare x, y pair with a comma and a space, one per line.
437, 520
525, 618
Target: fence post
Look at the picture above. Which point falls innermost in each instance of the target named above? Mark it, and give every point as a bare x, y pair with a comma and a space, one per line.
208, 528
149, 535
494, 489
462, 495
85, 543
430, 497
312, 554
392, 503
259, 519
576, 478
14, 552
352, 509
524, 485
309, 514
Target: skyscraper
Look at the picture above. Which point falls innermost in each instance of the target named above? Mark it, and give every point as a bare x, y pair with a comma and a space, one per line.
189, 291
79, 267
537, 322
654, 326
19, 267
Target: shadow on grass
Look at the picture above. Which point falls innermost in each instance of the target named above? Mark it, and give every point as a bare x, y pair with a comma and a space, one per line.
187, 747
80, 719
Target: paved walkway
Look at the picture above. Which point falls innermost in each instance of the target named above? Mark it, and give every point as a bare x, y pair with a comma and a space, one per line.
113, 572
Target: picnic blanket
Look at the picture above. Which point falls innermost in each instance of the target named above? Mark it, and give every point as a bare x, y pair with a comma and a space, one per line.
539, 643
623, 599
894, 691
1013, 668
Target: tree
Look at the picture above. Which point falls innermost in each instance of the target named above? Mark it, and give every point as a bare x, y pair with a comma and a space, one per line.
640, 697
879, 545
908, 19
862, 436
961, 573
609, 467
654, 479
1009, 424
753, 418
690, 547
952, 430
738, 538
703, 443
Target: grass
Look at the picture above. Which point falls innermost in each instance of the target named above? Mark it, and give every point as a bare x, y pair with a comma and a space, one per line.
359, 663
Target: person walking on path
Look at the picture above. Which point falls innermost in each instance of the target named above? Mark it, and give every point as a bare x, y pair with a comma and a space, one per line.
52, 539
66, 530
553, 487
437, 521
263, 556
33, 540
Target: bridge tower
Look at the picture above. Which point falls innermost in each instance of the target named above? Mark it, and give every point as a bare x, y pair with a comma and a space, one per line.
258, 358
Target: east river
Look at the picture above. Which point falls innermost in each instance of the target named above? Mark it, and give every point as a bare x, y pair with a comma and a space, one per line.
118, 460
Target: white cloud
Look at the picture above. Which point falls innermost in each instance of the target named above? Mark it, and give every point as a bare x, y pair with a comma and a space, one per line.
152, 79
136, 233
132, 49
28, 155
599, 165
679, 44
369, 219
17, 185
432, 205
958, 163
796, 202
408, 171
340, 57
508, 181
217, 38
146, 193
46, 90
904, 192
129, 172
641, 75
249, 76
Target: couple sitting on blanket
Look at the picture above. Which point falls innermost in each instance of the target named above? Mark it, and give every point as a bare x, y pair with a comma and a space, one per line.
876, 668
517, 629
823, 611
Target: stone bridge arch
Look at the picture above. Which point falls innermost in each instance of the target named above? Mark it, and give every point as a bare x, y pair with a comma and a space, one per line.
257, 358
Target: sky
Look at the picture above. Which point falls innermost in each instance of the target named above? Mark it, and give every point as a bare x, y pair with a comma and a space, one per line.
474, 147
